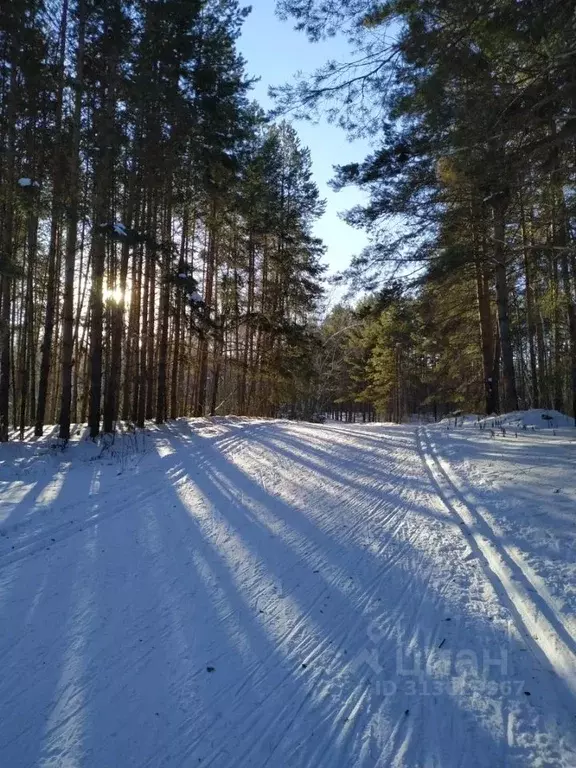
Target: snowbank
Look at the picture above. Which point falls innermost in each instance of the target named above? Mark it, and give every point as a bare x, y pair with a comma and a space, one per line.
535, 418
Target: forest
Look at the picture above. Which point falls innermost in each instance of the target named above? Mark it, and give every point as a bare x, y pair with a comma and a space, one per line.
157, 251
157, 255
288, 383
470, 277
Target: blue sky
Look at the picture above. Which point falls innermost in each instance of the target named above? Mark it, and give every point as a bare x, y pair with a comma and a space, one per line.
274, 51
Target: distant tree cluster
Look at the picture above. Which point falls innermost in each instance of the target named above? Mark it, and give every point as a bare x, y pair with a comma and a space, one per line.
471, 106
156, 255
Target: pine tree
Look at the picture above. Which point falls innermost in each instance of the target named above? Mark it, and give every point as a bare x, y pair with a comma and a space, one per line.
151, 260
477, 122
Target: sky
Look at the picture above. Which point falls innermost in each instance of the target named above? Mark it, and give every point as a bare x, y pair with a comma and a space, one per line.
274, 51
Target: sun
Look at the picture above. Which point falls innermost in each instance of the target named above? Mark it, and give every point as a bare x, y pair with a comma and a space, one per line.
112, 294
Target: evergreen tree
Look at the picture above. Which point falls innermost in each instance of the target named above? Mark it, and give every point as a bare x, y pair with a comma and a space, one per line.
157, 256
471, 108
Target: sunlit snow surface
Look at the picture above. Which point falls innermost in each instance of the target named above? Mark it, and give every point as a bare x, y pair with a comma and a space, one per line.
235, 592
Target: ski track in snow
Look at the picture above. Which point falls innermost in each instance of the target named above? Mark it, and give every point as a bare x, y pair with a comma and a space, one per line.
525, 594
260, 593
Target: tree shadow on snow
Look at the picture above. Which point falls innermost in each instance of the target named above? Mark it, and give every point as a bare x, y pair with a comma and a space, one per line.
188, 629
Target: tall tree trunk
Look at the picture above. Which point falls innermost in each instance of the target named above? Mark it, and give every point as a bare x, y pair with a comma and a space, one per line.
530, 319
486, 328
55, 234
131, 378
6, 261
175, 389
5, 355
249, 332
96, 325
204, 339
556, 356
510, 397
102, 200
112, 394
27, 355
72, 236
144, 330
163, 316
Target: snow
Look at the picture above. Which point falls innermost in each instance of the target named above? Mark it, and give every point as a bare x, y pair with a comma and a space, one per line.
120, 229
537, 418
234, 592
523, 488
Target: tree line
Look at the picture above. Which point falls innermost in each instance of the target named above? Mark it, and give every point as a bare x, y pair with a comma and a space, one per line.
156, 247
471, 272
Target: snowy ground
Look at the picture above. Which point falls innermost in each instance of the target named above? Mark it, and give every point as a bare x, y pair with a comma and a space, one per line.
252, 593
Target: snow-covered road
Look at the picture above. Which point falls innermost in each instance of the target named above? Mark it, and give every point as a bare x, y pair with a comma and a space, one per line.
253, 593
